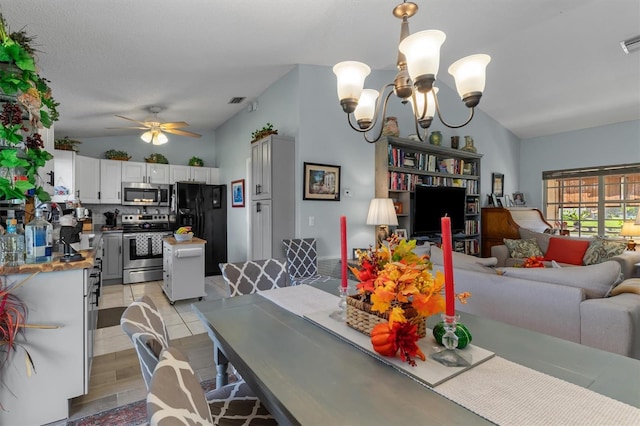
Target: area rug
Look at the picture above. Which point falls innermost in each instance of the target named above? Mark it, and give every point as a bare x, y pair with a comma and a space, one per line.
132, 414
108, 317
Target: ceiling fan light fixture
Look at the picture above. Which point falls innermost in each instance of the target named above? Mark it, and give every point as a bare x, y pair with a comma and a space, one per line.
160, 139
147, 136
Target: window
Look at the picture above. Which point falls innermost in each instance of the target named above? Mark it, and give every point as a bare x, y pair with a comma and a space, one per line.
592, 201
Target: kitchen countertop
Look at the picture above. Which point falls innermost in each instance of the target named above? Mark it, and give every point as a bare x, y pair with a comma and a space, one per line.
56, 265
195, 240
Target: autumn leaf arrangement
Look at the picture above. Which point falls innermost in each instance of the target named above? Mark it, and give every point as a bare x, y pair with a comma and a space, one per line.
394, 279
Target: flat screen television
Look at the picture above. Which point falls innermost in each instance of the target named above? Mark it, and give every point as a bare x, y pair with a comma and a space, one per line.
431, 203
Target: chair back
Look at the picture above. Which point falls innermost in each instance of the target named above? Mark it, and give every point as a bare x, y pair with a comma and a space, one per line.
144, 325
176, 396
302, 258
253, 275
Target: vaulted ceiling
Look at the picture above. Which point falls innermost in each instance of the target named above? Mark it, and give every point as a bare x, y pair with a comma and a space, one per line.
556, 65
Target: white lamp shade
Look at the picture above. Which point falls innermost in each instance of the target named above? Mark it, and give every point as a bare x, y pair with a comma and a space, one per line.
366, 105
422, 50
470, 73
418, 108
147, 136
630, 229
160, 139
351, 75
382, 212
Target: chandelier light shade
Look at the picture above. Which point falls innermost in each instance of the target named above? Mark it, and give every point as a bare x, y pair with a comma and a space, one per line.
418, 65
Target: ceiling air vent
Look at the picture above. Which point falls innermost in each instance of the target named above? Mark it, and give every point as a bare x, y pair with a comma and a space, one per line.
237, 100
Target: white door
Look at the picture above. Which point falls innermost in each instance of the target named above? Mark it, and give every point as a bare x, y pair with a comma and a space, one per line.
265, 168
180, 173
88, 179
261, 229
201, 174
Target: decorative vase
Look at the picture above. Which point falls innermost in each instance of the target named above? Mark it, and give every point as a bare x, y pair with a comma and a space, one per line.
435, 138
360, 317
455, 142
390, 127
464, 337
468, 145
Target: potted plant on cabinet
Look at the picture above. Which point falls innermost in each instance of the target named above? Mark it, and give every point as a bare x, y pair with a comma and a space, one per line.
114, 154
196, 162
26, 105
264, 132
157, 158
66, 144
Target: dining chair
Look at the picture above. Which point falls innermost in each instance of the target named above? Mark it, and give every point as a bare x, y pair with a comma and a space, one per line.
176, 397
144, 325
253, 275
302, 261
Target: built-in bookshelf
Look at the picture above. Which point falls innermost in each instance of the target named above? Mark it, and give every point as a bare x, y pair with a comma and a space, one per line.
401, 164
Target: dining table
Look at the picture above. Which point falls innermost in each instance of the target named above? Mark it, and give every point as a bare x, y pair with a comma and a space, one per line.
306, 374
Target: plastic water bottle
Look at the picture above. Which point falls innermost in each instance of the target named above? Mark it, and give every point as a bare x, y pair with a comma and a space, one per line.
39, 240
12, 243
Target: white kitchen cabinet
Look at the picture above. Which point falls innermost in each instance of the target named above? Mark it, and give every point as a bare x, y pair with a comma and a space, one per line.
273, 199
185, 262
87, 179
64, 170
112, 260
208, 175
110, 181
46, 172
145, 172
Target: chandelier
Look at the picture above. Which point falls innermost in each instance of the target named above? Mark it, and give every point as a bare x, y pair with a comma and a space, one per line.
418, 63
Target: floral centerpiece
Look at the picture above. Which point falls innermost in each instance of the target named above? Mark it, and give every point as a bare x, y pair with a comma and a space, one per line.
397, 288
27, 105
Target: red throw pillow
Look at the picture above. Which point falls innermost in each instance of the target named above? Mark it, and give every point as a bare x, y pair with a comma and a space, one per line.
564, 250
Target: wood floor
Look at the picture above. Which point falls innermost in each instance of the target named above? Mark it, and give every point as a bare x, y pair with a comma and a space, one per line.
116, 379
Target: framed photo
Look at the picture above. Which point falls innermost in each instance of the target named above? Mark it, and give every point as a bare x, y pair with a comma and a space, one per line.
354, 252
497, 184
494, 201
237, 193
490, 201
500, 203
321, 182
518, 199
401, 233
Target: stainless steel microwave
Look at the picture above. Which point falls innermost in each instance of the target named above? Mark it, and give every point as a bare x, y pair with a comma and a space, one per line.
145, 194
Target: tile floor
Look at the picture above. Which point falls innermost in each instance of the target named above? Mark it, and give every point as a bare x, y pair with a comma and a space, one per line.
115, 374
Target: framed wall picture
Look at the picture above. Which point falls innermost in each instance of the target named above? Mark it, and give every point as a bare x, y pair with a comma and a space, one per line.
237, 193
321, 182
497, 184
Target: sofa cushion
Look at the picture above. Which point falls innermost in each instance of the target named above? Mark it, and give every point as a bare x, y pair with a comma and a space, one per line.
596, 280
523, 248
566, 250
630, 285
601, 249
464, 261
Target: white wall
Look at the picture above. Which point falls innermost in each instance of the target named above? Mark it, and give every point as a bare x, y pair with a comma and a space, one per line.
304, 105
178, 150
604, 145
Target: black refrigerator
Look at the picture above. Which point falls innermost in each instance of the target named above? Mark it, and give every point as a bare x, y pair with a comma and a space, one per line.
204, 208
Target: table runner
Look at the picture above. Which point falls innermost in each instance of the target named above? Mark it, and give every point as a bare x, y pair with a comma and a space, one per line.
499, 390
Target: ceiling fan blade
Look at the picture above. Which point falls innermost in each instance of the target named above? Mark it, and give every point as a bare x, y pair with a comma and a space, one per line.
135, 121
182, 133
173, 125
126, 128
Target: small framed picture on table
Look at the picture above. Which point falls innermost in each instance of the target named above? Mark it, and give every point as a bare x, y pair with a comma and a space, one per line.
401, 234
518, 199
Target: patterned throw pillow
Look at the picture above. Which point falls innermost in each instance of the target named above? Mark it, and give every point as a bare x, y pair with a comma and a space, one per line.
601, 249
522, 249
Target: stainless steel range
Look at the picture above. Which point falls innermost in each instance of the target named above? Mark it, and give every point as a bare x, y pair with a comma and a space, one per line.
142, 243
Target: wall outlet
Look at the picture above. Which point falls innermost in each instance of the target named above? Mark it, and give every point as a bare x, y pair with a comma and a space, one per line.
312, 221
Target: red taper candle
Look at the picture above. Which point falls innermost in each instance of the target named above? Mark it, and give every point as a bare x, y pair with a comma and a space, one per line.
343, 250
447, 257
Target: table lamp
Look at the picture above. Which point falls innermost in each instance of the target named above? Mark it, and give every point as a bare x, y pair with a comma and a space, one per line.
382, 213
630, 229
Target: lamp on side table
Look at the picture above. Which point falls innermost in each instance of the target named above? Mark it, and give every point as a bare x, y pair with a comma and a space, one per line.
382, 213
630, 229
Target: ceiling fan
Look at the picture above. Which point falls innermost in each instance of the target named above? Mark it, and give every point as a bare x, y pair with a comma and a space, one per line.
155, 130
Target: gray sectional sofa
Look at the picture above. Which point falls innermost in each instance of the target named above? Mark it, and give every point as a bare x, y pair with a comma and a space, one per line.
570, 303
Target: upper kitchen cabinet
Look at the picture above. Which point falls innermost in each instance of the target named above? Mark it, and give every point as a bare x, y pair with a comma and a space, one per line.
64, 171
110, 181
87, 183
145, 172
206, 175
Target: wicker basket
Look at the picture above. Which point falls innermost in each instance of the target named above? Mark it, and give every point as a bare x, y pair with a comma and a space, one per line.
362, 318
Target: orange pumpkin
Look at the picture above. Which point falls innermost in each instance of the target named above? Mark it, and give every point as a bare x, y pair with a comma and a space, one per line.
384, 340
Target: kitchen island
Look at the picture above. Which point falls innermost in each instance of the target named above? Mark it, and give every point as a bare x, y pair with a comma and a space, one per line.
64, 295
